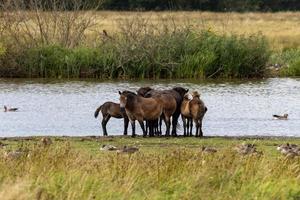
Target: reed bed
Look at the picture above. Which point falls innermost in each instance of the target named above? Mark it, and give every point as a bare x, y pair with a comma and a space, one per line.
162, 169
145, 44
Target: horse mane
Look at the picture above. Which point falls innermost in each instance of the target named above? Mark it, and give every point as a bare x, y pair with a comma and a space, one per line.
127, 92
186, 96
144, 90
196, 94
180, 90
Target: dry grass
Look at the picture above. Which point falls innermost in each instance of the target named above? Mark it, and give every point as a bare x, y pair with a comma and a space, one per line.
282, 29
174, 168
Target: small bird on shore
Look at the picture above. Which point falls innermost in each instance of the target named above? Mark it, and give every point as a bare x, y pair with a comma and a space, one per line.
13, 154
245, 149
108, 147
46, 141
208, 149
281, 117
128, 150
290, 150
6, 109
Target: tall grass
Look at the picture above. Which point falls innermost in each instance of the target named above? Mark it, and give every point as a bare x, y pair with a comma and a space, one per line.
180, 54
290, 60
62, 171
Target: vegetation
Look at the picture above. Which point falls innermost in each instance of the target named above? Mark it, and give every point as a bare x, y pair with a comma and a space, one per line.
290, 60
174, 168
142, 45
207, 5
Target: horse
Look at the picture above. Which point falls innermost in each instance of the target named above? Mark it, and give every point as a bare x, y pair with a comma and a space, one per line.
177, 93
197, 110
169, 107
108, 110
186, 116
140, 109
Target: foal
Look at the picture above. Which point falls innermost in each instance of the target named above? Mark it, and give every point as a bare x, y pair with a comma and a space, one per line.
193, 110
198, 110
140, 109
108, 110
186, 116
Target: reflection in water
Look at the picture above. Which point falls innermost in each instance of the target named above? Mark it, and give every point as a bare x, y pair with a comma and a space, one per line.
66, 108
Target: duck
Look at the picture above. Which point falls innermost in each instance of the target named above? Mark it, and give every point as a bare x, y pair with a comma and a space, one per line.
208, 149
10, 109
46, 141
13, 154
2, 144
129, 150
281, 117
245, 149
108, 147
290, 150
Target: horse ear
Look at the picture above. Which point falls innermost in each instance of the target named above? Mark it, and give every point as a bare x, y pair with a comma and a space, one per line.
120, 93
187, 90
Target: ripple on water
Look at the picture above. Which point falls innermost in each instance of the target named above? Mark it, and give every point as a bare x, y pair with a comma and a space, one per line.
66, 108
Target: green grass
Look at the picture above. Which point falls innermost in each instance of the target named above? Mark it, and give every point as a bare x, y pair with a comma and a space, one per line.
164, 168
179, 54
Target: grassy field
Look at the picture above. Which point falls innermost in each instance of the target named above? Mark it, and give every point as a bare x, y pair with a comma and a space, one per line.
281, 28
163, 168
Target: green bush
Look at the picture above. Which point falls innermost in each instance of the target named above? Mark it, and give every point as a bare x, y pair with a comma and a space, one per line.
223, 56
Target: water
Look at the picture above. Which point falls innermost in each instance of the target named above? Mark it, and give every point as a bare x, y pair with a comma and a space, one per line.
236, 108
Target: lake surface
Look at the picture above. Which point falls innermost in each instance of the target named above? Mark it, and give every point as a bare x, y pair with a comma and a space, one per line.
235, 108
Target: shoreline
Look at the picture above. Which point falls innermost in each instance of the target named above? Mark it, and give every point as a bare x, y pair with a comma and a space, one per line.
96, 137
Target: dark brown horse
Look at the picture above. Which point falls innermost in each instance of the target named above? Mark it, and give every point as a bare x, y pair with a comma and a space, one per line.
169, 108
177, 93
108, 110
140, 109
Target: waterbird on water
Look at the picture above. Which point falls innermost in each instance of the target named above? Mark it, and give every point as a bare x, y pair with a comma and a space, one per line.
282, 117
10, 109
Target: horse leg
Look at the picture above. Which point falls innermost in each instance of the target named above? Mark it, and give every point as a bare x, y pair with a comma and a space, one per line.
197, 128
126, 121
133, 128
184, 125
168, 124
104, 122
159, 124
147, 127
191, 127
156, 124
187, 126
200, 127
150, 122
174, 122
143, 128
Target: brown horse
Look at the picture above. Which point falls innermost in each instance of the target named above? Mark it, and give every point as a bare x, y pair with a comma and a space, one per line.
177, 93
197, 110
169, 108
108, 110
140, 109
186, 116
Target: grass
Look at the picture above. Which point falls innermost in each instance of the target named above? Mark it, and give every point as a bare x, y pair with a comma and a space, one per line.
164, 168
148, 44
281, 28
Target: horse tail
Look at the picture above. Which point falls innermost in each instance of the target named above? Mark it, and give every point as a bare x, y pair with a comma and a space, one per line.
97, 111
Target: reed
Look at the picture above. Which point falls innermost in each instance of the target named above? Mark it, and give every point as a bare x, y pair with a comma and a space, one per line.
181, 54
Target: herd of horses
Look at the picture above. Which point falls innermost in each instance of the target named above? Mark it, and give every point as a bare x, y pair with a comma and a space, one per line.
150, 107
